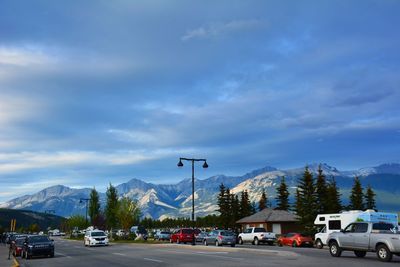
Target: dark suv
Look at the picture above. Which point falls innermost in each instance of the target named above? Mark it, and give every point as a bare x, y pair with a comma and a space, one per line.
38, 245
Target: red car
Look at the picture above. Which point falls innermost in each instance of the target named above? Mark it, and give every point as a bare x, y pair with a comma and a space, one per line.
295, 240
16, 246
183, 235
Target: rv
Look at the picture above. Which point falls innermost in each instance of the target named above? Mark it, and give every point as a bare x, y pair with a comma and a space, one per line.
335, 222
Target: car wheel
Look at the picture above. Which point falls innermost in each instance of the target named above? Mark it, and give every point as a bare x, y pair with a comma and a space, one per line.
360, 254
171, 241
334, 249
279, 244
205, 242
384, 253
294, 244
319, 244
256, 242
178, 241
240, 241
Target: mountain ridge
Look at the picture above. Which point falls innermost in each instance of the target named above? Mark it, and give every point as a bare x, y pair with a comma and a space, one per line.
174, 200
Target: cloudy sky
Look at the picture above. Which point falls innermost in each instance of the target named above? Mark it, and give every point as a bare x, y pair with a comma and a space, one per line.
93, 92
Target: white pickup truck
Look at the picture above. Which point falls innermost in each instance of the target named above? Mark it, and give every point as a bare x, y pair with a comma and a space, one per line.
257, 235
363, 237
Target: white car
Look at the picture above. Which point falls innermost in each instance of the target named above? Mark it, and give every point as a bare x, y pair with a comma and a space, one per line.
95, 238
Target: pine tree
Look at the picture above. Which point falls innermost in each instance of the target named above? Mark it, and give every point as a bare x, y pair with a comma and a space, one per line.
262, 204
321, 192
111, 209
356, 197
245, 205
306, 200
282, 196
370, 198
334, 204
94, 205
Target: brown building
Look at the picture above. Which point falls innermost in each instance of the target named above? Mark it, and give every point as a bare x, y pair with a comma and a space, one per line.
277, 221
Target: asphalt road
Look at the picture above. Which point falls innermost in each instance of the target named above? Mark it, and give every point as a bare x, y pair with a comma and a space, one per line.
73, 253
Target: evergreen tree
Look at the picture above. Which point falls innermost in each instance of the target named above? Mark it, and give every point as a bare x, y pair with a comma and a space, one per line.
306, 200
334, 204
370, 198
282, 196
245, 205
262, 204
94, 205
356, 197
321, 192
223, 205
111, 209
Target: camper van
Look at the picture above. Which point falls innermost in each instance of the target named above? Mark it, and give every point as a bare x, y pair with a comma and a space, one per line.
335, 222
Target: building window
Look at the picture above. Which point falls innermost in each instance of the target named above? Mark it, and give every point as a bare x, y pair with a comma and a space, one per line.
335, 225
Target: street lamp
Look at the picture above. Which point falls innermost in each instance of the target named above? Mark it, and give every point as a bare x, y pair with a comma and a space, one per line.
81, 201
205, 166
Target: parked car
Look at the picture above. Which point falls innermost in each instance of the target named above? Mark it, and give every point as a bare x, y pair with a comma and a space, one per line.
295, 240
95, 237
257, 235
162, 235
220, 237
37, 245
183, 235
17, 246
363, 237
140, 231
200, 237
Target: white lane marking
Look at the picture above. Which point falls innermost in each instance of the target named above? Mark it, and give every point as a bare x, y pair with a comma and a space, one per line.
119, 254
148, 259
216, 252
203, 254
64, 255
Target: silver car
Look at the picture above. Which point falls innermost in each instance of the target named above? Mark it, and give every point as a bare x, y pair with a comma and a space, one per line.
162, 235
220, 237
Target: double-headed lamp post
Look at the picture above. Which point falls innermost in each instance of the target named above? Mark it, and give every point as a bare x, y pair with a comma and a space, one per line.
86, 200
205, 166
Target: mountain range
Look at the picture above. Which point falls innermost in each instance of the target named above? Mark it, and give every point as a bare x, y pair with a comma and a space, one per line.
174, 200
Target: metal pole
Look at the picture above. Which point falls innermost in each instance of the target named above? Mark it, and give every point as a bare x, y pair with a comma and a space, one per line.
193, 240
86, 212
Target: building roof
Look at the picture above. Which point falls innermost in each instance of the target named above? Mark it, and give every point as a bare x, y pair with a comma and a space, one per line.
270, 215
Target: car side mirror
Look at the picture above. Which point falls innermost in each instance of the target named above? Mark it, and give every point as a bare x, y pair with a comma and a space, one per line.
342, 231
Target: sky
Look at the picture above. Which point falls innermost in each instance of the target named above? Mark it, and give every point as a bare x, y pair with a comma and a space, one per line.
99, 92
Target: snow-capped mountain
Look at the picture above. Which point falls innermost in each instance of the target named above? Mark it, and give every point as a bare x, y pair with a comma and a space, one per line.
175, 200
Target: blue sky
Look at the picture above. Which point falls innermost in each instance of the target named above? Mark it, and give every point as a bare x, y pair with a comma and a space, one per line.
93, 92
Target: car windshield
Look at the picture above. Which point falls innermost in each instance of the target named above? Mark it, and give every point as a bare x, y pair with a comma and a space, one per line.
38, 239
187, 231
98, 233
259, 230
227, 233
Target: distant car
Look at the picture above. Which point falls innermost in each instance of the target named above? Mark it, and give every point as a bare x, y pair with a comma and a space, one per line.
257, 235
162, 235
295, 240
183, 235
95, 238
220, 237
200, 237
37, 245
17, 246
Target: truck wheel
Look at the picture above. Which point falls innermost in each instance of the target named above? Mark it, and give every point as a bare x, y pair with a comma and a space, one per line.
384, 253
256, 242
319, 244
240, 241
334, 249
360, 254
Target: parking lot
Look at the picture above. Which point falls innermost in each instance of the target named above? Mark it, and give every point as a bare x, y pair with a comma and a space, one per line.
73, 253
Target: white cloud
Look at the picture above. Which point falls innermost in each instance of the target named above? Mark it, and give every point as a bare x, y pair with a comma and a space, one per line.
217, 29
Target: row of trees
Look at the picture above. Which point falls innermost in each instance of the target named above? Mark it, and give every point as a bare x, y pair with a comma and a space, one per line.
121, 213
